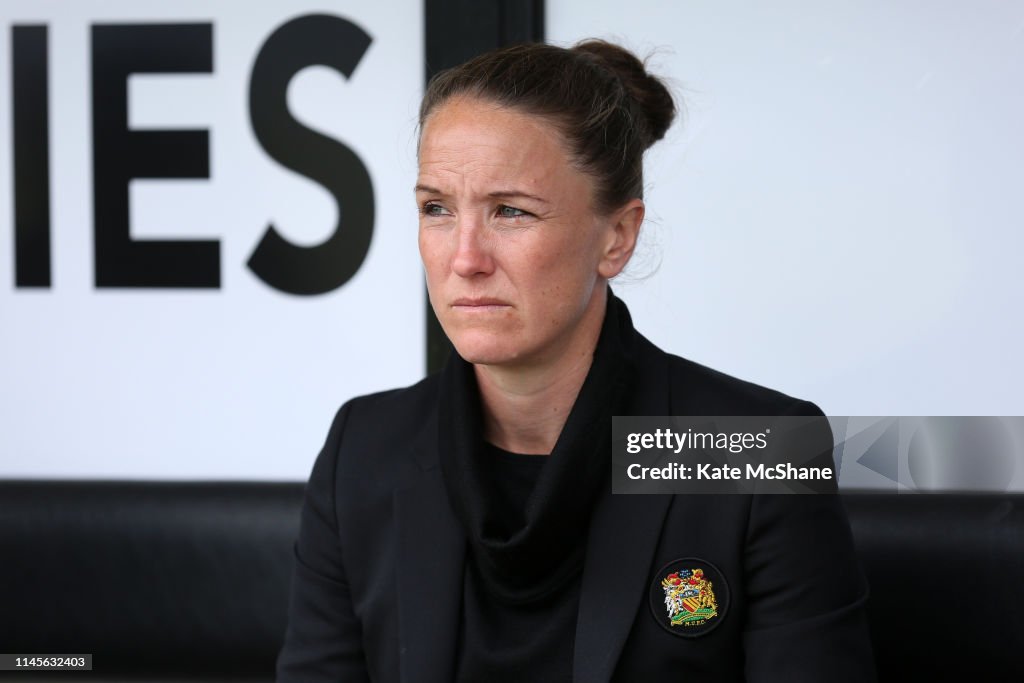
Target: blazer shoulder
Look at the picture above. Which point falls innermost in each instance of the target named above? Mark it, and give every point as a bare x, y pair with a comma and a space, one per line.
375, 438
700, 390
402, 408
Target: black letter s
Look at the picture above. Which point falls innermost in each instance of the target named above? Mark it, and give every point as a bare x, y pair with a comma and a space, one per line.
316, 39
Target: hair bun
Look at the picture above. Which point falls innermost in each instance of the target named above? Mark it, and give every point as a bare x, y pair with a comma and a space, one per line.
650, 95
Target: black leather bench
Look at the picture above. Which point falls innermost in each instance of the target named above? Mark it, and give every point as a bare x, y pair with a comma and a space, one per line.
186, 580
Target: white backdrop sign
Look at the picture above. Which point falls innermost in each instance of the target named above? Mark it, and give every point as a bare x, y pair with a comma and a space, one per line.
229, 228
230, 246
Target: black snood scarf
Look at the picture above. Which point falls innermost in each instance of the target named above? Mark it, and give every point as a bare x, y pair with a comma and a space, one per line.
547, 551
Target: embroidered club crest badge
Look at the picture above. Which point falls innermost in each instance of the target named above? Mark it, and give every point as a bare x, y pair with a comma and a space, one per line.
689, 597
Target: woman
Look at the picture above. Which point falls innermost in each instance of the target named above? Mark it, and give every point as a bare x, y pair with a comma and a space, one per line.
463, 528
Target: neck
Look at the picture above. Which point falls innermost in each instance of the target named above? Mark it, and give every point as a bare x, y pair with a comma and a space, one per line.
525, 408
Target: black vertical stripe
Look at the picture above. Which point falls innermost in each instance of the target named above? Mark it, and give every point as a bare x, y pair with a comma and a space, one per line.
30, 98
455, 31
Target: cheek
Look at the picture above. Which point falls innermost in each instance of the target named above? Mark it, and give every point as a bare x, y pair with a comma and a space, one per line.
432, 253
561, 276
569, 263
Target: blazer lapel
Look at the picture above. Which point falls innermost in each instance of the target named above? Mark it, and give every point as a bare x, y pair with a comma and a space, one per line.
622, 538
431, 555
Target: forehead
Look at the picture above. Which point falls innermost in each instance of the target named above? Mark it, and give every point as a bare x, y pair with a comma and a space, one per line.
477, 142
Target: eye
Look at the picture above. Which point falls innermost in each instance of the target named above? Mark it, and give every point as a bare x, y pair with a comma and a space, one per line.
432, 210
511, 212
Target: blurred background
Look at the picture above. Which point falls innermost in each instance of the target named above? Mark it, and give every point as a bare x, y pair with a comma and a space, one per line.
208, 233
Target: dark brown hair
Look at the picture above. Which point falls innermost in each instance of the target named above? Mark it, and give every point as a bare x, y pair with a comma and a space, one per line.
601, 97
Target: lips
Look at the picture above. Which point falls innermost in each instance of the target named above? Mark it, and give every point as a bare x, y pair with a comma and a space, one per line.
482, 302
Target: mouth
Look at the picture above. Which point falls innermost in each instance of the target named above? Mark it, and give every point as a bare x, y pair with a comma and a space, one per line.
482, 304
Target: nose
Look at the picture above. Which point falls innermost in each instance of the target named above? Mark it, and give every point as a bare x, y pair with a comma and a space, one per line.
472, 249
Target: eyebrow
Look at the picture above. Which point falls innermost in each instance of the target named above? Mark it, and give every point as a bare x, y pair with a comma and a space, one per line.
498, 194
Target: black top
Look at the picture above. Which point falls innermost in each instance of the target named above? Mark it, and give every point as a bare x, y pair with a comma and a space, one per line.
513, 476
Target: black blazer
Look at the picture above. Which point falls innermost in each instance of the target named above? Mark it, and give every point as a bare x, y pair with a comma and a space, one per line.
378, 581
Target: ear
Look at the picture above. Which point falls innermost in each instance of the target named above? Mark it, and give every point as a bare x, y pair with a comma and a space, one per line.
623, 230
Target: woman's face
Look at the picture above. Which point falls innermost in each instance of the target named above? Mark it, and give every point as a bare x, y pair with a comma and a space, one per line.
513, 251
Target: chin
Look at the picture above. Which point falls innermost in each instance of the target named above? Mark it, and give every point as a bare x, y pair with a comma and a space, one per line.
484, 348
